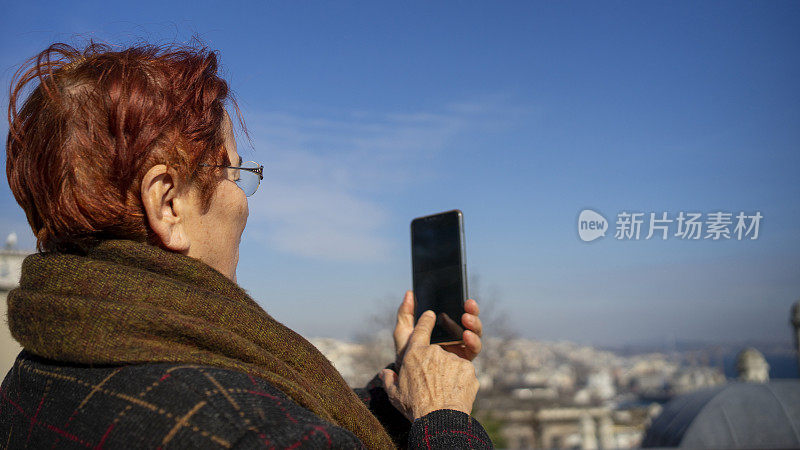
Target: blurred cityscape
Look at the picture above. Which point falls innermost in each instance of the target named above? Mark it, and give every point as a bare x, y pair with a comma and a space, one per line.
537, 394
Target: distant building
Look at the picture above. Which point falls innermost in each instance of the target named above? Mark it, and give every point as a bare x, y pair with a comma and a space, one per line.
736, 415
751, 413
751, 366
585, 428
10, 270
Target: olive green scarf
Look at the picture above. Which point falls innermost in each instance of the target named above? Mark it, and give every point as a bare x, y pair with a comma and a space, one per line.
131, 303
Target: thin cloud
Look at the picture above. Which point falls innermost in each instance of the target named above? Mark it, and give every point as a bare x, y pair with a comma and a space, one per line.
324, 171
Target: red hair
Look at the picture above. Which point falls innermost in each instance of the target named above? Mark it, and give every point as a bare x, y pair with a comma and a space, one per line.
93, 125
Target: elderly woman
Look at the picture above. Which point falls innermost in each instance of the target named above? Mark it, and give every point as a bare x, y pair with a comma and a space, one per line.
134, 330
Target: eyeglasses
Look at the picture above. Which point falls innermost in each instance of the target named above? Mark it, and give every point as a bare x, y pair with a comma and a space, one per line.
247, 176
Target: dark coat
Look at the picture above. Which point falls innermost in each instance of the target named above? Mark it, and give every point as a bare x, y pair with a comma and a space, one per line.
48, 404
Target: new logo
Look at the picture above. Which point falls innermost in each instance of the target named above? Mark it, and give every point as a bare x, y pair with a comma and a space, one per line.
591, 225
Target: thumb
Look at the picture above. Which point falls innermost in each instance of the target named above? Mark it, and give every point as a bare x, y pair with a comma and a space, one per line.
389, 378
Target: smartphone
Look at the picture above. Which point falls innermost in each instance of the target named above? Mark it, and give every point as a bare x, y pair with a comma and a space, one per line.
439, 269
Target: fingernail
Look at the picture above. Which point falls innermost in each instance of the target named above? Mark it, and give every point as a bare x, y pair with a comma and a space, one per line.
429, 313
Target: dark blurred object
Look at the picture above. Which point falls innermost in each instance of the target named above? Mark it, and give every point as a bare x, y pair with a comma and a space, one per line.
794, 320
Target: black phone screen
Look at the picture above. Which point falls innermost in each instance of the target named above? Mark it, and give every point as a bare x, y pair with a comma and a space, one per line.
437, 259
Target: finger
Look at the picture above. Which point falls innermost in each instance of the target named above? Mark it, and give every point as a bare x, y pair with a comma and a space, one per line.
471, 306
405, 313
422, 332
473, 343
472, 322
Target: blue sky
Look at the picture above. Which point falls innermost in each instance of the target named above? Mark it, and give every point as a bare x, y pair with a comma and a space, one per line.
521, 114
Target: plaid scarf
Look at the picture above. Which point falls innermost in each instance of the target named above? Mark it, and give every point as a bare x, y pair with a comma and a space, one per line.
126, 302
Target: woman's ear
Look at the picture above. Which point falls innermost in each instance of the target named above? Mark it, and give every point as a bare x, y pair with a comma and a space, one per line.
163, 207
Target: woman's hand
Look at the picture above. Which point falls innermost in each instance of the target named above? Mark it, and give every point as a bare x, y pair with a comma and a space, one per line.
430, 378
470, 320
